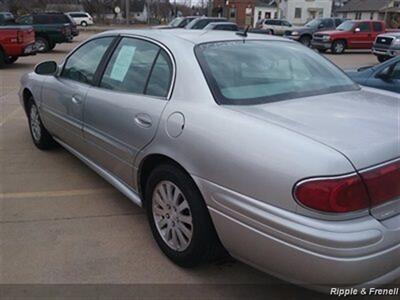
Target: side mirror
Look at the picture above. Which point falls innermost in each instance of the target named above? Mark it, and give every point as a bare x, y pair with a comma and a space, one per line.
357, 30
47, 68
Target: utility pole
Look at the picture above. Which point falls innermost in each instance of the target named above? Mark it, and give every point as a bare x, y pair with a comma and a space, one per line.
278, 9
127, 12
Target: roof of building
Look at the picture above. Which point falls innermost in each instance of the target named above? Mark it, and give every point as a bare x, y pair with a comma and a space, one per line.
364, 5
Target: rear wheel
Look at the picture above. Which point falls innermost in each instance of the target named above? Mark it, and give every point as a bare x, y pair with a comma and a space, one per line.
305, 40
338, 47
382, 58
51, 45
42, 44
40, 136
321, 50
2, 58
84, 24
11, 59
178, 217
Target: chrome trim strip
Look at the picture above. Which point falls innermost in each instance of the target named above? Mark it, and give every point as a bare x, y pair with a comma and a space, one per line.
122, 187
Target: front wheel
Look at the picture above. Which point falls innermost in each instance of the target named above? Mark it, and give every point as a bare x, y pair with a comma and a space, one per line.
338, 47
382, 58
179, 218
11, 59
305, 40
42, 44
40, 136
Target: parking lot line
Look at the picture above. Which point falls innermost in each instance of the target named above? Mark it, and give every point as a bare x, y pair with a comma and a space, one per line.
52, 194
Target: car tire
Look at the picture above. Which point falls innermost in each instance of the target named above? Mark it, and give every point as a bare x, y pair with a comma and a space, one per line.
305, 40
84, 24
271, 32
2, 59
52, 45
11, 59
321, 50
186, 218
42, 44
40, 136
382, 58
338, 47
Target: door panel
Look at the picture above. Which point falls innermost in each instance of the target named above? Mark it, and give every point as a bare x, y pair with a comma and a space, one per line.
63, 97
122, 115
363, 38
62, 107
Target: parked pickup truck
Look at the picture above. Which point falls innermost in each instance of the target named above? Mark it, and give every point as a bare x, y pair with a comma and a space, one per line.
50, 29
15, 41
386, 45
305, 33
349, 35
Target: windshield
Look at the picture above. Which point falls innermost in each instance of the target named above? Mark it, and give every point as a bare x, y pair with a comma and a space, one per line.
255, 72
313, 23
175, 22
346, 26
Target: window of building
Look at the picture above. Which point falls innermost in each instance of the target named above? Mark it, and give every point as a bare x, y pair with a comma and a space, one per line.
371, 17
232, 13
358, 16
297, 13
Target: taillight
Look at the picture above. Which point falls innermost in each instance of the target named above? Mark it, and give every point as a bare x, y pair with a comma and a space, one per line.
383, 183
20, 36
333, 194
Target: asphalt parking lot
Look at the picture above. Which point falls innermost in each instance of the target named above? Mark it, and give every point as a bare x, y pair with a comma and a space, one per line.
60, 223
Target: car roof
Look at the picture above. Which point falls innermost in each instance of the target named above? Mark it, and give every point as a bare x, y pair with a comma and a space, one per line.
221, 23
191, 36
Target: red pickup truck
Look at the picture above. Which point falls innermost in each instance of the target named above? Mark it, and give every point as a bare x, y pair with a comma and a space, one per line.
358, 34
15, 41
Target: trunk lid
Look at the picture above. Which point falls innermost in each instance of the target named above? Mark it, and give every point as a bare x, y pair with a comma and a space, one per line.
363, 125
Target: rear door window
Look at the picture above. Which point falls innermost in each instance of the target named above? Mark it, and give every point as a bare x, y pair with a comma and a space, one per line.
364, 27
377, 26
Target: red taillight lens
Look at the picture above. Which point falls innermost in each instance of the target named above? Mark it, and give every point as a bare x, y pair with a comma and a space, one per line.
20, 36
383, 183
335, 195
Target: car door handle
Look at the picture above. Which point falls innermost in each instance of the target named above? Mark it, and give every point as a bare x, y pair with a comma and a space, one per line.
76, 100
143, 120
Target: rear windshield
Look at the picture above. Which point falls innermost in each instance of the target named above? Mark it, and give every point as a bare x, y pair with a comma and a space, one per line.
254, 72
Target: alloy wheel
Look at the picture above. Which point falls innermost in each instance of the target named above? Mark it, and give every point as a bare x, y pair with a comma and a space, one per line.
35, 123
172, 215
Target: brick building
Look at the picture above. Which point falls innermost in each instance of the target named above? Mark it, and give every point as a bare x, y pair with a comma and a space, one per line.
238, 11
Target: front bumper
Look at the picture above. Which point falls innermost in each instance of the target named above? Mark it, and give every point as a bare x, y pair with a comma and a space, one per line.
304, 250
390, 52
321, 45
292, 37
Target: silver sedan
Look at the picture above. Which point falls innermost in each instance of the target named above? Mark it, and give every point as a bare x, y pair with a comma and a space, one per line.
249, 143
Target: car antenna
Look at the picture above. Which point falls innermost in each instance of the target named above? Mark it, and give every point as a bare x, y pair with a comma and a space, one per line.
244, 33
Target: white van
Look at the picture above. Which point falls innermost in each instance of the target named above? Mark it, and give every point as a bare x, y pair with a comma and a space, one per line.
81, 18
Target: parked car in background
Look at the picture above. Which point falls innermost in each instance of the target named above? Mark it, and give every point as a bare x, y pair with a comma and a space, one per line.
81, 18
50, 29
178, 22
304, 34
229, 26
15, 40
348, 35
277, 27
320, 209
201, 22
384, 76
386, 46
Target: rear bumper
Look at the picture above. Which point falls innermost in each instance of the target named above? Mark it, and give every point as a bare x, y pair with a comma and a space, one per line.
389, 52
301, 249
321, 45
29, 50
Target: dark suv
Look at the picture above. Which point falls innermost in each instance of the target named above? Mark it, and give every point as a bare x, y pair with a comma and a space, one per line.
305, 33
50, 29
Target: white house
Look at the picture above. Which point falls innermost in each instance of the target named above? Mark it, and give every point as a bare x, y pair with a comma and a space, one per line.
301, 11
385, 10
265, 9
